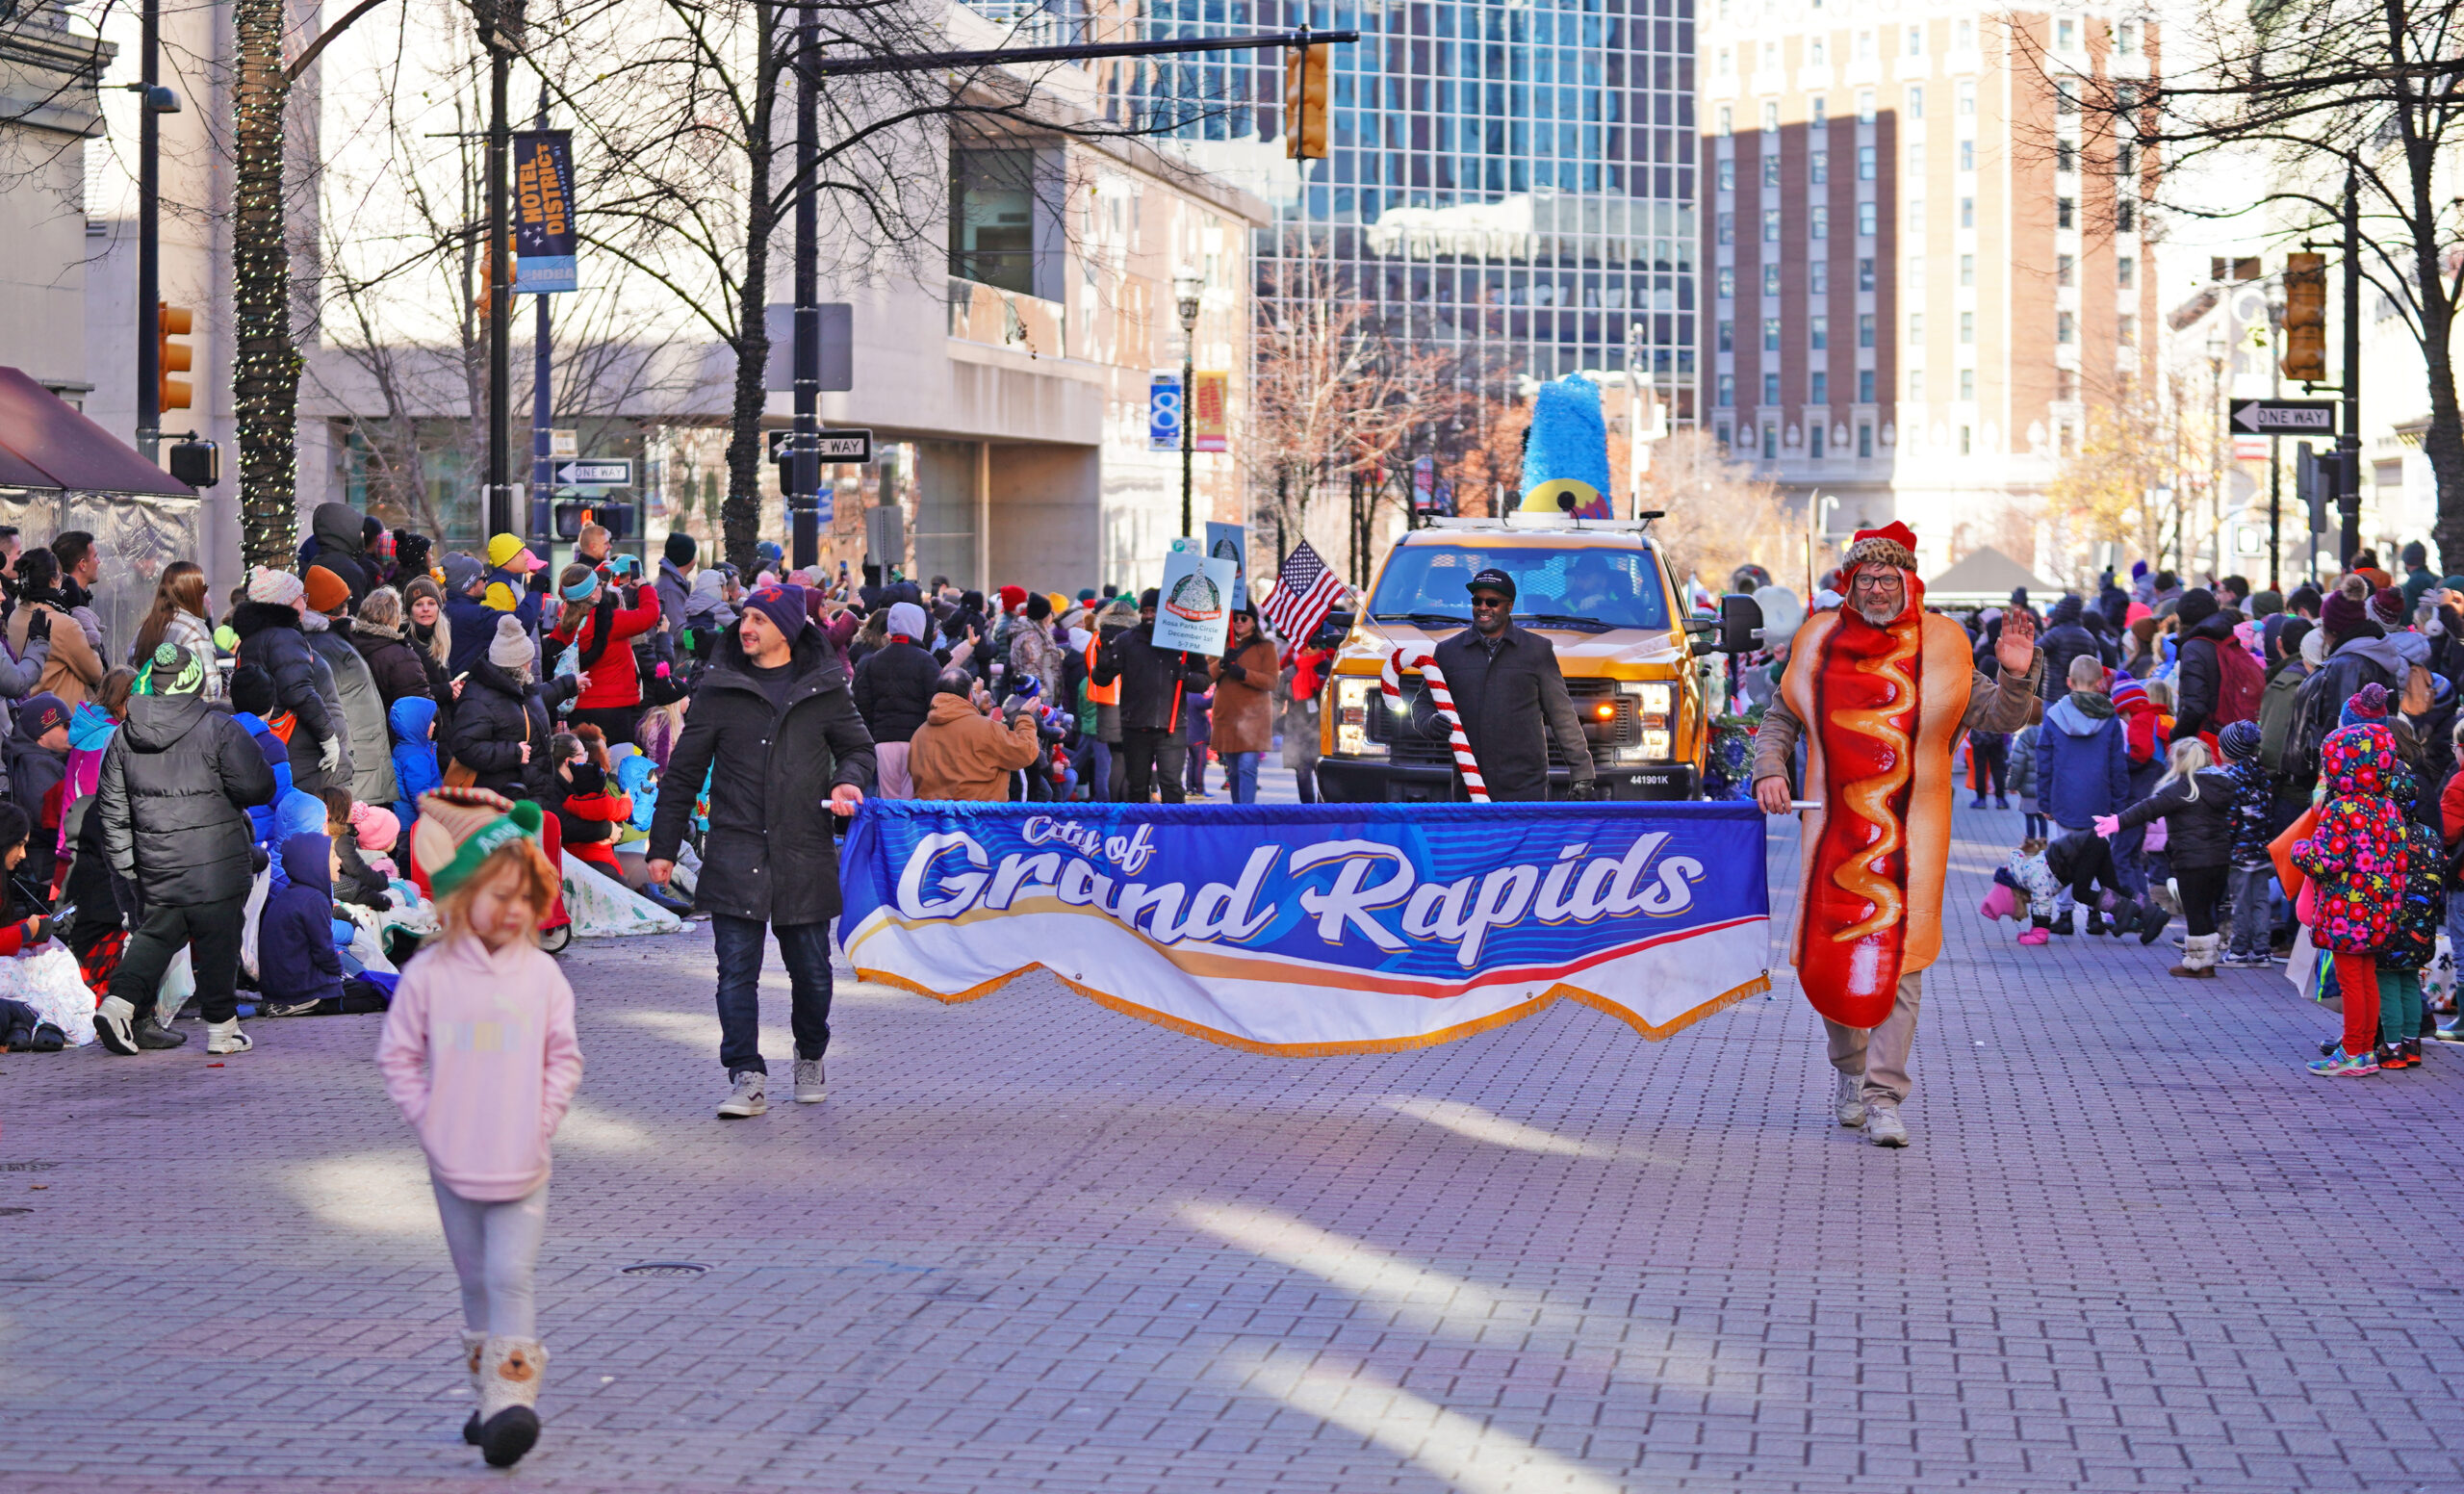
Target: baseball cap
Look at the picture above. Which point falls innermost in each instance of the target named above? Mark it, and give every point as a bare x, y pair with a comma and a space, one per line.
1493, 580
508, 553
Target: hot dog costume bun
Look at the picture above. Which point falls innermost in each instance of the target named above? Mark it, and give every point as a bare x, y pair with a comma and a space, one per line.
1881, 707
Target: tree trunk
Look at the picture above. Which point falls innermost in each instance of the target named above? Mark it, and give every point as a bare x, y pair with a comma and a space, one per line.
266, 392
741, 515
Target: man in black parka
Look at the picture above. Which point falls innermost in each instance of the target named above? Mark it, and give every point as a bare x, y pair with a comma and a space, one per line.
773, 725
1512, 698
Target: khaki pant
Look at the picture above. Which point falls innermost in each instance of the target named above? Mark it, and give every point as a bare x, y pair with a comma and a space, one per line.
890, 778
1880, 1056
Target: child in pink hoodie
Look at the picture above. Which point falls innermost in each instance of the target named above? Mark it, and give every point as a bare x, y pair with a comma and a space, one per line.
479, 1053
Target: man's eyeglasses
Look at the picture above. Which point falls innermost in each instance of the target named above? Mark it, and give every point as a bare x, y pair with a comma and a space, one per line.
1490, 604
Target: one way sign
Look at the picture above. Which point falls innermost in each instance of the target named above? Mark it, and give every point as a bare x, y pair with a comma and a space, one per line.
609, 472
2285, 417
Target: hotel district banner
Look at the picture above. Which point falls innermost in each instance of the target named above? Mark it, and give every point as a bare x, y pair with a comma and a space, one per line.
1309, 930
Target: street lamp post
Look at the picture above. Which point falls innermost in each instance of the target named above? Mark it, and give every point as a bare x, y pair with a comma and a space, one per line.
1185, 288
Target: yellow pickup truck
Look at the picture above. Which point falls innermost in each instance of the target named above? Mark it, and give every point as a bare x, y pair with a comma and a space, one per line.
1601, 595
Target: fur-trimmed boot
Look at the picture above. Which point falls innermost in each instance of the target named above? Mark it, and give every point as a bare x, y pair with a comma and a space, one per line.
474, 1345
2198, 957
510, 1372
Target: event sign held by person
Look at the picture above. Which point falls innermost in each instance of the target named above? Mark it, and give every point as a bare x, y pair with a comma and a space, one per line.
1195, 613
1231, 542
1308, 930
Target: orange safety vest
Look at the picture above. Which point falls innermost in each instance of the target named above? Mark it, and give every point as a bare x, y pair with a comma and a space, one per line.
1099, 694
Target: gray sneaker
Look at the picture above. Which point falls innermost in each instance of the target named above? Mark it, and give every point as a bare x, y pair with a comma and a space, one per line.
808, 1081
1850, 1102
750, 1098
1884, 1126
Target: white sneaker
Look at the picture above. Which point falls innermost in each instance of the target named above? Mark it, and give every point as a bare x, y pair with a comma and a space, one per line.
1884, 1126
750, 1098
1850, 1102
226, 1038
808, 1081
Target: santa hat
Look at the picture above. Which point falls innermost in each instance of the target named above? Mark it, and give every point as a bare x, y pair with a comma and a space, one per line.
1894, 544
460, 828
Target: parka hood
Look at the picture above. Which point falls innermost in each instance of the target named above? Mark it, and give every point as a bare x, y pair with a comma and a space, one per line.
307, 859
2081, 713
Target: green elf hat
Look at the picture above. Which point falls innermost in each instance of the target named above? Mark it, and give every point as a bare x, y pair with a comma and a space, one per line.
460, 828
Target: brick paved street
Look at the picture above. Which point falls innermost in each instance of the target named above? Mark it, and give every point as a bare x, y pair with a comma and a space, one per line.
1032, 1244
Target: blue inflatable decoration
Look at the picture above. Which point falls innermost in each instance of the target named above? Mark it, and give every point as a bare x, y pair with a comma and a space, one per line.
1565, 452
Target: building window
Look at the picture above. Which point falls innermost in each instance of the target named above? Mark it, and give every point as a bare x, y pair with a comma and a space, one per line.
1917, 326
1728, 282
2066, 270
1818, 168
1770, 334
1771, 443
2126, 271
1968, 155
2126, 332
1771, 117
1865, 389
1728, 396
1967, 328
1724, 436
1967, 36
1865, 278
1818, 223
2065, 212
1916, 215
1770, 169
1821, 110
1770, 389
1916, 41
2066, 35
1968, 212
1865, 439
1813, 440
2126, 38
1724, 67
1816, 58
992, 218
1818, 387
1728, 227
1727, 337
2065, 383
1964, 441
1865, 219
1865, 46
1864, 162
1728, 121
1866, 329
1728, 175
2065, 97
1917, 384
1967, 93
2125, 215
1967, 269
2125, 161
1915, 101
1864, 106
2066, 327
1818, 277
1771, 279
2066, 156
1818, 334
1916, 161
1770, 225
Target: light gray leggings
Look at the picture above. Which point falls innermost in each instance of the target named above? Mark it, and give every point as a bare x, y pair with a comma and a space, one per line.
495, 1252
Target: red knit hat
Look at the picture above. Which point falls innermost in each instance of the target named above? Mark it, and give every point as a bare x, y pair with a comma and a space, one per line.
1013, 598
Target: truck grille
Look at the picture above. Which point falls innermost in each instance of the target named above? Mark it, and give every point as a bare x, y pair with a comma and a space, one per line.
1623, 727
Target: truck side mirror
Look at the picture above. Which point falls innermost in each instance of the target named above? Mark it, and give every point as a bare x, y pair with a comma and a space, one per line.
1741, 625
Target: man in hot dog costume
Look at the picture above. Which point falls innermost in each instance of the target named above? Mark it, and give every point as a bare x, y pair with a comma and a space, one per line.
1881, 691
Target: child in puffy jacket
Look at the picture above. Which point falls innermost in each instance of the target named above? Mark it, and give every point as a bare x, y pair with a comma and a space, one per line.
2195, 803
2080, 866
2354, 859
413, 724
2251, 873
298, 965
2401, 1009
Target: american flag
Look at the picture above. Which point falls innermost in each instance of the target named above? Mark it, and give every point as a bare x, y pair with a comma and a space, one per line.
1304, 589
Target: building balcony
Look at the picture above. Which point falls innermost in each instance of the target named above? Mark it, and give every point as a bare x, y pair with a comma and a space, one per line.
996, 318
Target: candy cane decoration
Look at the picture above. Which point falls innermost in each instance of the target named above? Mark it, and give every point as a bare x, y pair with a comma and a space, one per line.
1390, 681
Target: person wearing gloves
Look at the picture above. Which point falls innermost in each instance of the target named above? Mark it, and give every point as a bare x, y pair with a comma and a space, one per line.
1155, 684
178, 782
2195, 802
486, 1112
596, 623
72, 665
711, 611
961, 752
894, 688
1244, 680
470, 622
273, 637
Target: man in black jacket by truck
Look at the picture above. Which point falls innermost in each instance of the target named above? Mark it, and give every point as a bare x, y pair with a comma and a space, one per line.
1512, 698
1153, 683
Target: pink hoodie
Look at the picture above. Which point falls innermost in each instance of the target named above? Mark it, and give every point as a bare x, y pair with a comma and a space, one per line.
478, 1051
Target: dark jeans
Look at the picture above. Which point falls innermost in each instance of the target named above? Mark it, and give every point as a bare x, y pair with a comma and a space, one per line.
1144, 749
211, 933
617, 721
1993, 767
805, 947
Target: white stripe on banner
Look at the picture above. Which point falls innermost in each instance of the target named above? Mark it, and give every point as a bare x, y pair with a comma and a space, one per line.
1305, 930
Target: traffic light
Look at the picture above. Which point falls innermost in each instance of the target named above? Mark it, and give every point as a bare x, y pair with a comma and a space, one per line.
170, 357
2305, 318
1308, 83
2317, 481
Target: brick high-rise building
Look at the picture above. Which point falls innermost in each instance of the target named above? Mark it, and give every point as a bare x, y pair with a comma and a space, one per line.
1924, 259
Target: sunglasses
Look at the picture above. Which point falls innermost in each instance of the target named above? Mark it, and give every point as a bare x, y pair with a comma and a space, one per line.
1489, 603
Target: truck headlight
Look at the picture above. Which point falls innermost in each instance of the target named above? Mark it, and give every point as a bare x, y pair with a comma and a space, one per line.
1356, 697
1656, 716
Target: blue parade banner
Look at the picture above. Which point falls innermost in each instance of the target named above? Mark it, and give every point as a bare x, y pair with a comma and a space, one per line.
543, 235
1306, 930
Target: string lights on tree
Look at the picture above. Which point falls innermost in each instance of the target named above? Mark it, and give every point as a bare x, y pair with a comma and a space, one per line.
266, 381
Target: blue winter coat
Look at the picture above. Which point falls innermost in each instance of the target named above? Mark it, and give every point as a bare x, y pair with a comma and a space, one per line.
2083, 766
294, 814
295, 955
415, 769
260, 821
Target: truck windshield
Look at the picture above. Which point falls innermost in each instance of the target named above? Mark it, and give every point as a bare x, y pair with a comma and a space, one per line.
1553, 588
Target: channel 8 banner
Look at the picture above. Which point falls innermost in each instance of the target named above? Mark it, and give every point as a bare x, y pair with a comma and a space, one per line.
1307, 930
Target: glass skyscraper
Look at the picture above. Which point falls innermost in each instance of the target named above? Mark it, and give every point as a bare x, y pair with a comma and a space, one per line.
1510, 184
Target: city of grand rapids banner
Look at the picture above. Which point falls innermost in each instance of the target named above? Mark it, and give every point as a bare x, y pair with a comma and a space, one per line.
1305, 930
